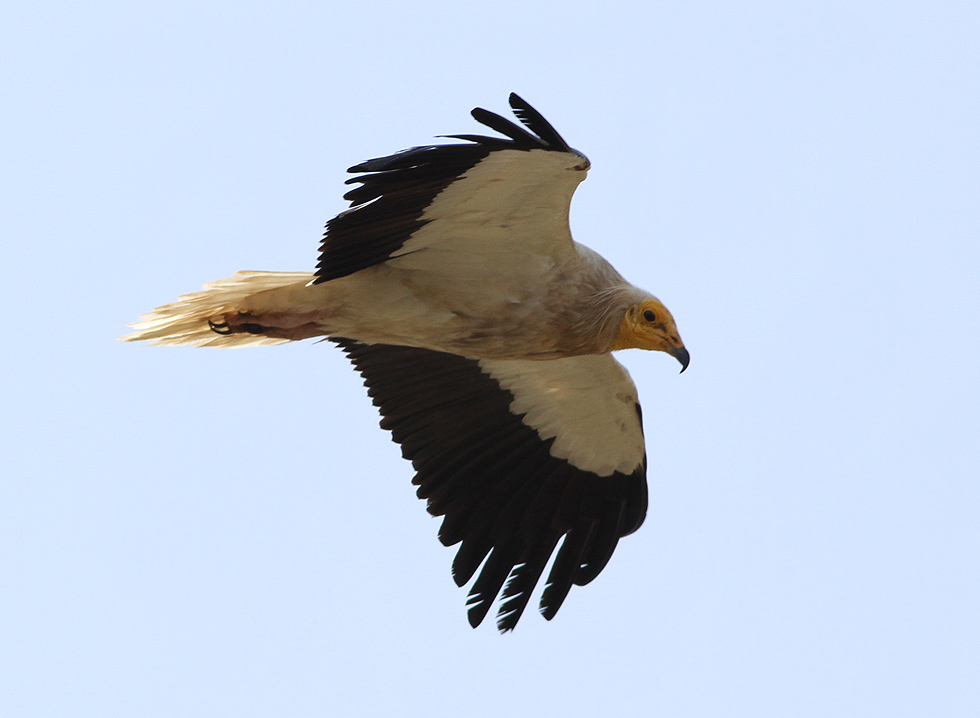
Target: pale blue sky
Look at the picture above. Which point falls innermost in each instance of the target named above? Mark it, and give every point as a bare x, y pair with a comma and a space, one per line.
228, 533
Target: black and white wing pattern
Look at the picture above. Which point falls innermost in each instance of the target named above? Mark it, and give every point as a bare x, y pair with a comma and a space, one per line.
517, 456
488, 201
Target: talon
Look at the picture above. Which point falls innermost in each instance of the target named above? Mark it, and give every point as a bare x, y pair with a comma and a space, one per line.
220, 328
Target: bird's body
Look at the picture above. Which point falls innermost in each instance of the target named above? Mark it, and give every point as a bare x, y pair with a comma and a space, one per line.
484, 334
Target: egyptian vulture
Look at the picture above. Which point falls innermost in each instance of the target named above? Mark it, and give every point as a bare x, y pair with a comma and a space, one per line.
483, 333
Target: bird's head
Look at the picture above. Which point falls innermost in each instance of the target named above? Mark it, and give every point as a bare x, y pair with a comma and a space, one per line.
648, 325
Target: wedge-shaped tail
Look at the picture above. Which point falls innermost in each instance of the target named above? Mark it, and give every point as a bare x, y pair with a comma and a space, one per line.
198, 318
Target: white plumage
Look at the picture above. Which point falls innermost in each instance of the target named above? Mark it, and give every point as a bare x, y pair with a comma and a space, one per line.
483, 332
587, 404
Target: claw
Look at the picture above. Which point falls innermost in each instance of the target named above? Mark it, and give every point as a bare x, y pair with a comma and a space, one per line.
220, 328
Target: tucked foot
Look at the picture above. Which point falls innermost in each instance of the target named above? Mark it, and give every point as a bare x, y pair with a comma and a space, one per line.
237, 324
271, 325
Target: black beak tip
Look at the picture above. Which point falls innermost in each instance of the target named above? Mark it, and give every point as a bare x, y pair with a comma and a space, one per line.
683, 356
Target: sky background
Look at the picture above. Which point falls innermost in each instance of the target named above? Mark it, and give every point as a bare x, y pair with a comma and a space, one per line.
190, 532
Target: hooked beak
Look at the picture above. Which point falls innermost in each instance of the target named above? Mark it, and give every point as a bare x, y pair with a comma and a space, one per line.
681, 354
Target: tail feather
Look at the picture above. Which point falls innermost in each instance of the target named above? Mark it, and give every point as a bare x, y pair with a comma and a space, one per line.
188, 320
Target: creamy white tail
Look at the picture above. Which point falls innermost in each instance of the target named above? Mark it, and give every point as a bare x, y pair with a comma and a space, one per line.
187, 321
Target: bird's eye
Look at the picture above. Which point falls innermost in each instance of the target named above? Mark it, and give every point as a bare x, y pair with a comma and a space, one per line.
649, 316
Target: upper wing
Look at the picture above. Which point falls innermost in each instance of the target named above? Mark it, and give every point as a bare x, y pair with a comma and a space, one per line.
516, 455
490, 195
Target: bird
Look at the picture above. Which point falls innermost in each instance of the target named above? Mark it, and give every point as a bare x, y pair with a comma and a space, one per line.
484, 335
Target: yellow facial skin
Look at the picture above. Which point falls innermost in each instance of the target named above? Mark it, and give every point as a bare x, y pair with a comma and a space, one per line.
648, 325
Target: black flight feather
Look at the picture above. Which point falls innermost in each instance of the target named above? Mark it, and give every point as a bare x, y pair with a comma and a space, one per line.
393, 192
495, 481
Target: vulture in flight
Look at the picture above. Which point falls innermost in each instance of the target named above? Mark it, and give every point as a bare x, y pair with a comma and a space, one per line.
484, 335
